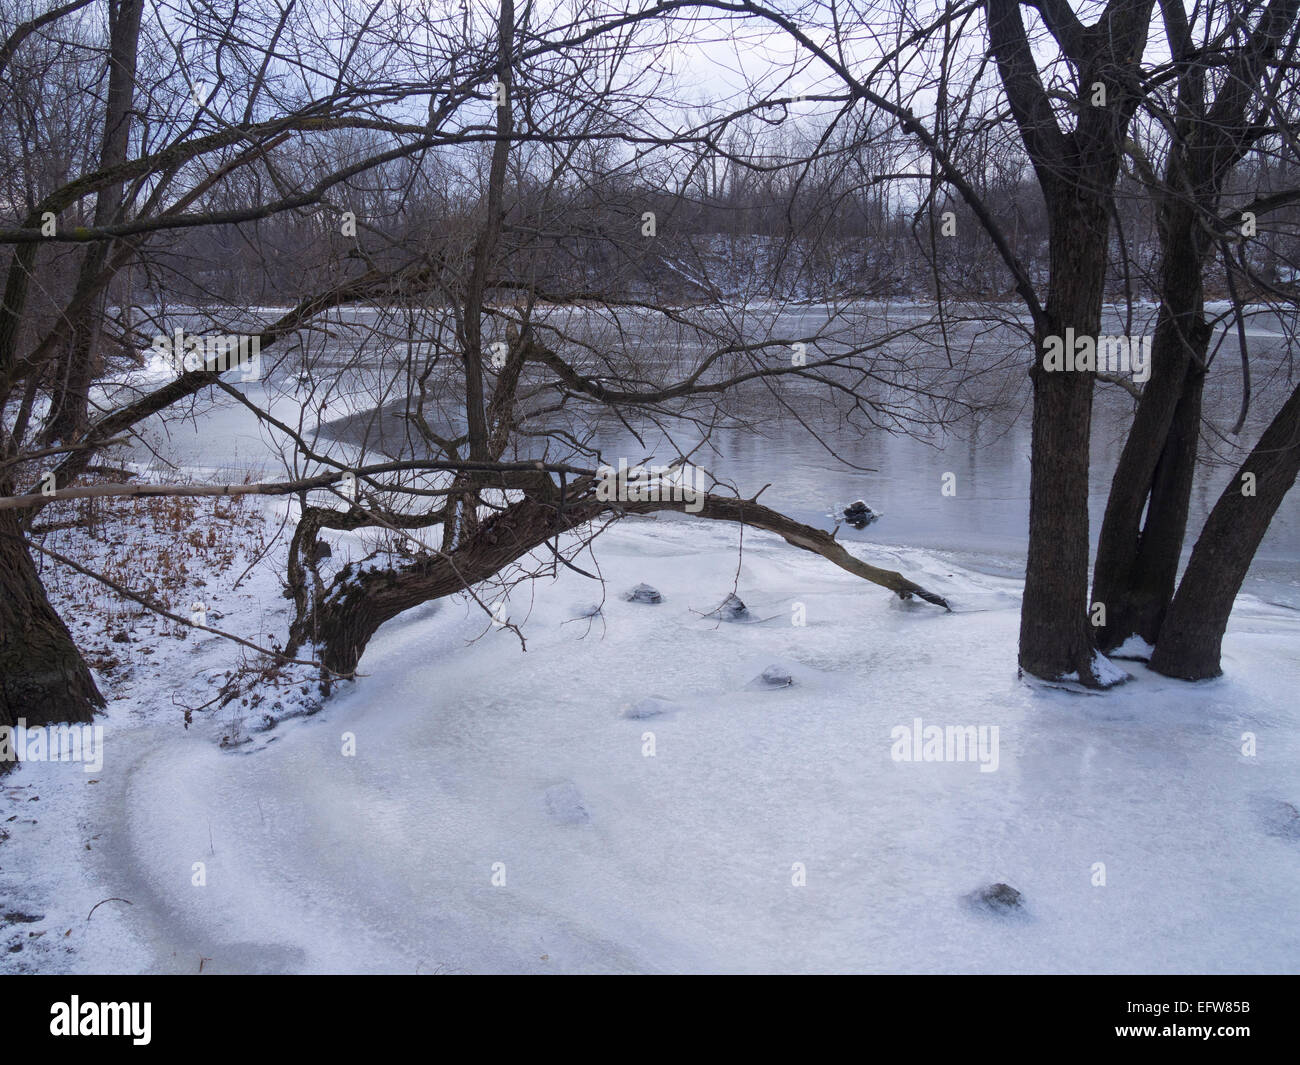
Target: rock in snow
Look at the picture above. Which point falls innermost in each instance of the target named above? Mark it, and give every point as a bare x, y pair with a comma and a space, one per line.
564, 804
643, 593
775, 677
651, 706
1000, 899
1280, 818
732, 609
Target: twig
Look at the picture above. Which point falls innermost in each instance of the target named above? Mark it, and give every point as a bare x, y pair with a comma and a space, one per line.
101, 903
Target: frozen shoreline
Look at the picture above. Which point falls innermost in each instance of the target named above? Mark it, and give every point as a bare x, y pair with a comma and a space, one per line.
383, 862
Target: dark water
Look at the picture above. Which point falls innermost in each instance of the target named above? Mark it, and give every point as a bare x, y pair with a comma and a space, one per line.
986, 521
816, 456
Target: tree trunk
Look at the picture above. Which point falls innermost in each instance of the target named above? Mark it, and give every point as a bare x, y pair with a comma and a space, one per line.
1137, 560
1145, 601
1191, 637
1076, 171
43, 679
79, 362
1134, 572
1055, 639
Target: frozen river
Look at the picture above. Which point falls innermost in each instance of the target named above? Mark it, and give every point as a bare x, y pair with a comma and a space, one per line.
813, 458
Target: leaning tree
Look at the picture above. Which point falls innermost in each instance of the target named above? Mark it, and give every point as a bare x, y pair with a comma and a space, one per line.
443, 176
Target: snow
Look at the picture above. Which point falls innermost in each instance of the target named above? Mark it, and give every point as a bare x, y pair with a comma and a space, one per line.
1103, 669
650, 706
503, 812
1106, 672
564, 804
1134, 647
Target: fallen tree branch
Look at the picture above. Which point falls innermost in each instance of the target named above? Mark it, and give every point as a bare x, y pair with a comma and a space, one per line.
748, 512
340, 623
279, 488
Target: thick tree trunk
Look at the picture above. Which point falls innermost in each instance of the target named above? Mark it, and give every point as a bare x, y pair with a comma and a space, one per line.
1137, 560
43, 679
1076, 171
1145, 601
1191, 637
1055, 638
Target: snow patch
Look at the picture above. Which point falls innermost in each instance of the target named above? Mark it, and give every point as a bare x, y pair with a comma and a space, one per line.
1134, 649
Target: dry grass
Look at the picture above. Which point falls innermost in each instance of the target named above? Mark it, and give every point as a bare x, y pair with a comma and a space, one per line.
166, 548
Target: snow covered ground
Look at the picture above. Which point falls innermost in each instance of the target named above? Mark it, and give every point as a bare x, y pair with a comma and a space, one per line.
502, 811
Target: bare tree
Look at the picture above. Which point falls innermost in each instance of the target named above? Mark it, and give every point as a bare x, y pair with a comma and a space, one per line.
1146, 517
521, 100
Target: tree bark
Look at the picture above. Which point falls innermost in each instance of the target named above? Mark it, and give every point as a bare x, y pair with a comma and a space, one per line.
1191, 637
485, 247
78, 365
1137, 561
1145, 601
43, 679
1076, 171
1055, 638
